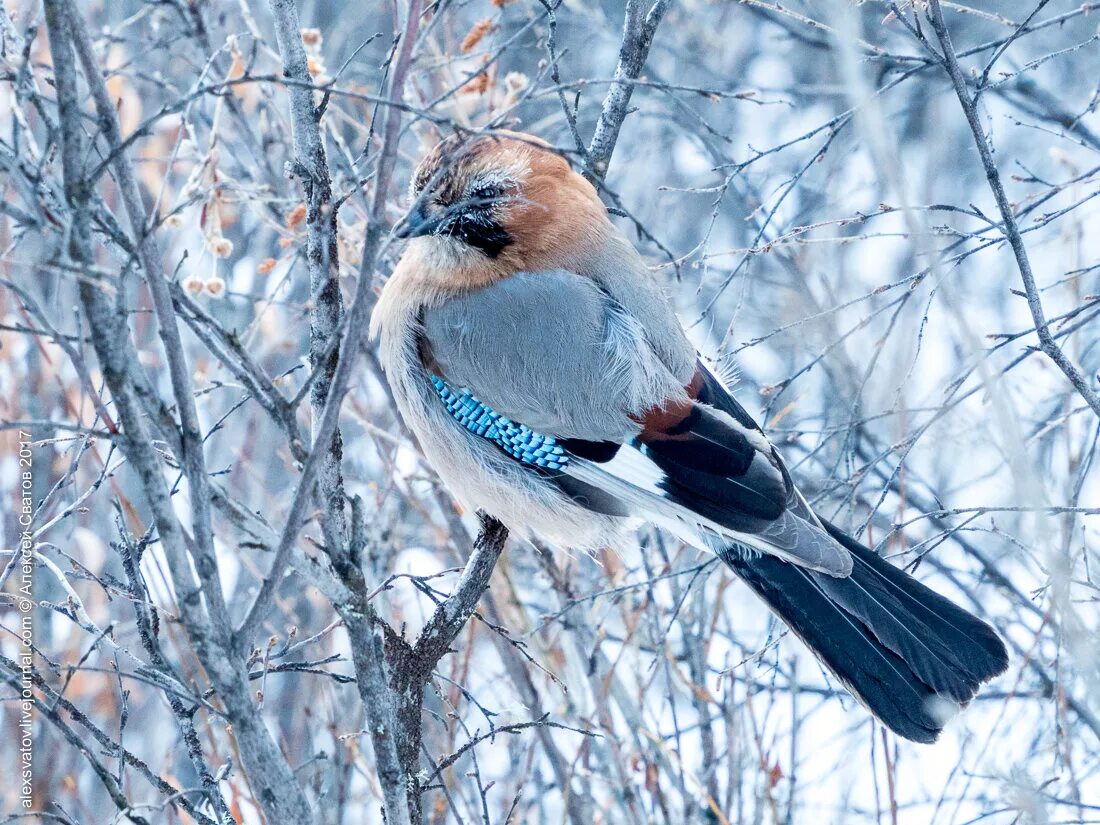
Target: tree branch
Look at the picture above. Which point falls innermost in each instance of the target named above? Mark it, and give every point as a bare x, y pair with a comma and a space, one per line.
410, 667
277, 792
322, 258
400, 803
1009, 227
450, 617
638, 31
149, 256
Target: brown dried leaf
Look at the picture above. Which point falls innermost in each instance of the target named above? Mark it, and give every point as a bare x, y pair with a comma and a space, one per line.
475, 35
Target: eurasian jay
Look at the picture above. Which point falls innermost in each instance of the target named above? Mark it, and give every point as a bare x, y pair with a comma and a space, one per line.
549, 383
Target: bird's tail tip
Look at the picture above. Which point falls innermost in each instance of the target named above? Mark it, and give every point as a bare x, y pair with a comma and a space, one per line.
910, 655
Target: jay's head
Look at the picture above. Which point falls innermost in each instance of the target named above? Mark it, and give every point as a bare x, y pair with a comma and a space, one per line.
506, 200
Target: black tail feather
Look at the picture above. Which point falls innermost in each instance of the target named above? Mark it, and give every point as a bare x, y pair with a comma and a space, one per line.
909, 654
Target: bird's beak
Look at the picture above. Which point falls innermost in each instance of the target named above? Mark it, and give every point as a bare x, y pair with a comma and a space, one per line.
416, 224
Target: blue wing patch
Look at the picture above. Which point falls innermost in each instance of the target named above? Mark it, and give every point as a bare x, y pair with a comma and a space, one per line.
518, 441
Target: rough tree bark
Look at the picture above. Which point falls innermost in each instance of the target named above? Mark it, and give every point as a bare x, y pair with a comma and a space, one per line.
638, 31
322, 256
410, 666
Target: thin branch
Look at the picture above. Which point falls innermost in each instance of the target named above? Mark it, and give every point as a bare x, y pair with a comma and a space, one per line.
638, 31
450, 617
149, 255
1009, 226
277, 793
322, 258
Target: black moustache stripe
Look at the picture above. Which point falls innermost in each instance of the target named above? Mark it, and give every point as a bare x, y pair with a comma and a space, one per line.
481, 231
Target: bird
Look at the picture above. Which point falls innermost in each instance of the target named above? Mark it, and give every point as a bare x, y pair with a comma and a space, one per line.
550, 384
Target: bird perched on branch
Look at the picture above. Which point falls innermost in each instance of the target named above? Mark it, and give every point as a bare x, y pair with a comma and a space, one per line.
550, 384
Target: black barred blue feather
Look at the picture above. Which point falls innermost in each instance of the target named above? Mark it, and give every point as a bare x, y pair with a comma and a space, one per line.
518, 440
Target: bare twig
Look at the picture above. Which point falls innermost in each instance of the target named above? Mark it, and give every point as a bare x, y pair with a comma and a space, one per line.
277, 793
639, 27
322, 258
1009, 226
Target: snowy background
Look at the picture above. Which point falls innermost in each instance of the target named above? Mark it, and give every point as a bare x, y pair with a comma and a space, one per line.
803, 179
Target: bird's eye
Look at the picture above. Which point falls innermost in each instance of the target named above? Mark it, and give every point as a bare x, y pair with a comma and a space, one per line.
482, 195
